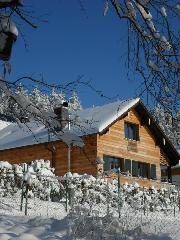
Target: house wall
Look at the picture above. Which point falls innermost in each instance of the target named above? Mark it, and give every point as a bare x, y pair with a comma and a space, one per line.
25, 154
82, 159
113, 143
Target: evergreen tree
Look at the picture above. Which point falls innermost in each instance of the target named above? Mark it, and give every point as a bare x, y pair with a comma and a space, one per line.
56, 99
39, 99
74, 102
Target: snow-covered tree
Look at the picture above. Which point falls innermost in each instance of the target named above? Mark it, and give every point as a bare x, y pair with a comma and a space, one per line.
169, 123
10, 107
56, 99
74, 102
39, 99
152, 46
153, 52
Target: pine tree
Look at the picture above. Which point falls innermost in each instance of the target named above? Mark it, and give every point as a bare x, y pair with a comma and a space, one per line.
74, 102
39, 99
56, 99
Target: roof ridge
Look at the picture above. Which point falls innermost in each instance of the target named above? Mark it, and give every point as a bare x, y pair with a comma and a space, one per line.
121, 101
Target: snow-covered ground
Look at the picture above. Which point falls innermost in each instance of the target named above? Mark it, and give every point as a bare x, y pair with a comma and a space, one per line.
47, 220
96, 209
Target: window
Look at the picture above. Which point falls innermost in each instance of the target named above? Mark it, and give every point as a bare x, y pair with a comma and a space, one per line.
112, 163
140, 169
131, 131
144, 170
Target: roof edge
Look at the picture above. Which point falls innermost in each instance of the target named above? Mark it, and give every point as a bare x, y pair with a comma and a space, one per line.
119, 114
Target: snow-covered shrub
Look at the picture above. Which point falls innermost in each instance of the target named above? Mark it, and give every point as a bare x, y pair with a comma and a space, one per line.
82, 190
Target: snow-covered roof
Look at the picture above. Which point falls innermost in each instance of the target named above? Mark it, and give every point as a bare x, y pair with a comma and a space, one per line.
3, 124
87, 121
100, 117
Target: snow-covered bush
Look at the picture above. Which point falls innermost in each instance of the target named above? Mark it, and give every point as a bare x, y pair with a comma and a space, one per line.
82, 190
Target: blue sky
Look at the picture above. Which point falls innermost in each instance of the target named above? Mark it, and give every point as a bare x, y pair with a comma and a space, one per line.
75, 42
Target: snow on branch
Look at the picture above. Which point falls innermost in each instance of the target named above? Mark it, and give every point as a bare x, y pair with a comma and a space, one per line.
155, 56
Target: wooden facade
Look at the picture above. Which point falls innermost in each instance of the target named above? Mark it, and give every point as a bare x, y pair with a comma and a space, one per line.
113, 143
83, 160
146, 152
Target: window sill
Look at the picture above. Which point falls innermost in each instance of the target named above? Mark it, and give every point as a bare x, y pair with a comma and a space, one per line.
131, 140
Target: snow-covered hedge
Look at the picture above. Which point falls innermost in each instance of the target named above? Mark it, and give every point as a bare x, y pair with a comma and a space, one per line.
84, 189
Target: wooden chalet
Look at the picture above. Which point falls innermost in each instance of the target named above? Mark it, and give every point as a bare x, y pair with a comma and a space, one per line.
121, 135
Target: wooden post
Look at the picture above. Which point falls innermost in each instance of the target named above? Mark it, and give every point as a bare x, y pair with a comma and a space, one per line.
22, 196
119, 207
26, 204
66, 194
22, 192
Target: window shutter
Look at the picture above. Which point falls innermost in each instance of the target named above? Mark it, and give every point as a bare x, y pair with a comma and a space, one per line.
135, 169
153, 171
106, 164
145, 170
127, 165
126, 130
137, 133
149, 170
141, 169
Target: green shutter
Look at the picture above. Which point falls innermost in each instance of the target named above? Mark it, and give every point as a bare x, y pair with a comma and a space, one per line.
153, 171
149, 170
135, 169
127, 165
141, 169
106, 163
144, 173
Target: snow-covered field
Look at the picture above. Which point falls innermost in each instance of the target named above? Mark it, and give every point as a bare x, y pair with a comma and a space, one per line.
48, 220
96, 209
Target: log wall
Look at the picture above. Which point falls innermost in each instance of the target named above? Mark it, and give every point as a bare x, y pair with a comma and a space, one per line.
82, 159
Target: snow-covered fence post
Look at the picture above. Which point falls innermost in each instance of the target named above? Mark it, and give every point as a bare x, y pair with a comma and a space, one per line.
22, 189
27, 180
119, 200
144, 202
174, 210
178, 199
107, 196
66, 194
71, 195
26, 203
